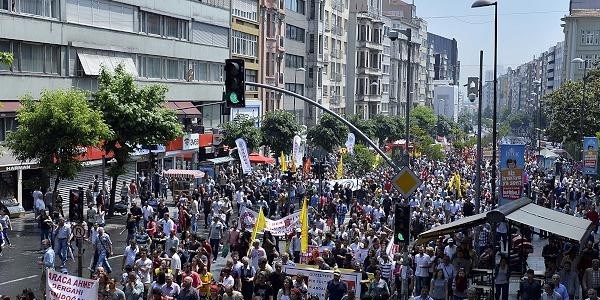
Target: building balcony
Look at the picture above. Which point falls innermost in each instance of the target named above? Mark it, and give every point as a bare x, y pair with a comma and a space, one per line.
271, 80
336, 78
337, 30
369, 71
326, 26
336, 53
335, 100
370, 45
369, 98
326, 58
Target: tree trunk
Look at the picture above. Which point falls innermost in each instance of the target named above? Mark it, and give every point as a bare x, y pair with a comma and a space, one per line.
113, 192
55, 193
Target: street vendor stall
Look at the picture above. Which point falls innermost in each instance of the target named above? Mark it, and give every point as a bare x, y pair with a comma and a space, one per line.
183, 181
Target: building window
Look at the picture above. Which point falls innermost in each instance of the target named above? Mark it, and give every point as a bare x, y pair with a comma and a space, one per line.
200, 71
7, 125
245, 9
150, 67
588, 37
251, 76
5, 46
294, 61
216, 72
311, 43
176, 28
150, 23
243, 44
295, 88
294, 33
175, 69
43, 8
38, 58
295, 5
101, 13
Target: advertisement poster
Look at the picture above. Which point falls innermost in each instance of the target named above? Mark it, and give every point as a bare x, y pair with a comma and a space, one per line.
590, 155
62, 286
318, 279
512, 164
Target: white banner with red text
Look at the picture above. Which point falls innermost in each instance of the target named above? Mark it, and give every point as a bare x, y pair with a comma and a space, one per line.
66, 287
280, 227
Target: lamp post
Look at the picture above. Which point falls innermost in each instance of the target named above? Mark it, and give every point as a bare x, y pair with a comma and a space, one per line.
585, 66
296, 87
483, 3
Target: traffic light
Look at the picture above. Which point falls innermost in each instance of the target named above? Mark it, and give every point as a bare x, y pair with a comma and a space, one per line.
401, 224
235, 83
472, 88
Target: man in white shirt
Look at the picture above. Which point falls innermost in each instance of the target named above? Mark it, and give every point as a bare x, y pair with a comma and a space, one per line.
167, 224
143, 268
129, 255
215, 235
422, 263
38, 200
195, 213
296, 245
450, 249
172, 241
175, 261
147, 211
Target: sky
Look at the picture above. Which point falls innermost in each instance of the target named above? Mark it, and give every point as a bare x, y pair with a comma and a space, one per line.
526, 28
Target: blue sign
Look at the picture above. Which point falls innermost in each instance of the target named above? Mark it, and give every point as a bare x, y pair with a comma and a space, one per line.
512, 165
590, 156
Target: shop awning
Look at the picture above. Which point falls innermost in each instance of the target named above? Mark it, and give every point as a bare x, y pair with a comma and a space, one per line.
92, 63
521, 211
256, 158
183, 174
10, 107
221, 160
546, 219
184, 108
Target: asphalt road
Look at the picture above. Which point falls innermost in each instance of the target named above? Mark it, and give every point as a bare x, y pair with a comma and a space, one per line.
18, 265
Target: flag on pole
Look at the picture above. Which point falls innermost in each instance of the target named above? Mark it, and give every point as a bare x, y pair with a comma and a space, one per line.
304, 227
340, 169
458, 185
261, 223
283, 162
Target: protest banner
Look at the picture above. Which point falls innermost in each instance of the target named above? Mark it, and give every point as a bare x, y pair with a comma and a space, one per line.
280, 227
317, 279
590, 155
66, 287
512, 165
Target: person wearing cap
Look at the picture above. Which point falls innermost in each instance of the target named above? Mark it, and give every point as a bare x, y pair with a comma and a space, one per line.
336, 289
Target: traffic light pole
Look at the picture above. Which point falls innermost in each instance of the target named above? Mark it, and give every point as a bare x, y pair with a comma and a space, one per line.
346, 122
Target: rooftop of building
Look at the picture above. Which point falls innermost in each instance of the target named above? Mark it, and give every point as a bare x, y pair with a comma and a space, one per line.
577, 13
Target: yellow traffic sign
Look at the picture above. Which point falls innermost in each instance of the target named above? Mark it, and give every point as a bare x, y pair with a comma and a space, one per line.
406, 182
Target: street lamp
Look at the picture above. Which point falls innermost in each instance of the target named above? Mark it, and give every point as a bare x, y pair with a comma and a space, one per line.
581, 61
296, 87
483, 3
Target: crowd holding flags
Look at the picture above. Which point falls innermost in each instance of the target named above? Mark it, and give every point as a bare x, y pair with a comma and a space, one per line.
455, 184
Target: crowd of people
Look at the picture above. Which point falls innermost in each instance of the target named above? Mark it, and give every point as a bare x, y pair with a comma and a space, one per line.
171, 253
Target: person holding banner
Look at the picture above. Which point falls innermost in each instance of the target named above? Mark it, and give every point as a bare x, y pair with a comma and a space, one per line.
47, 263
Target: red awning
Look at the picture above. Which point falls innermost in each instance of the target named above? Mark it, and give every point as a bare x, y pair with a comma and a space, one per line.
9, 106
256, 158
184, 108
185, 174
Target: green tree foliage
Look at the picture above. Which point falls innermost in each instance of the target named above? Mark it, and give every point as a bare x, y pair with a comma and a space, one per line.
242, 126
278, 129
562, 109
428, 148
466, 121
388, 128
6, 58
359, 163
424, 118
136, 115
54, 129
329, 133
366, 126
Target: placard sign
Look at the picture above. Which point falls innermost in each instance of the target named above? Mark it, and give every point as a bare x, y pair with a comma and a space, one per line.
280, 227
318, 279
512, 163
61, 286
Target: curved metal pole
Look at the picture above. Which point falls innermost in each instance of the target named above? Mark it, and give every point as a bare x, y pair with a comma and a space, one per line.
315, 103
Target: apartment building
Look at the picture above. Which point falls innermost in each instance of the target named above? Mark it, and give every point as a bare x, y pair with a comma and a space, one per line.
365, 35
296, 24
272, 51
582, 40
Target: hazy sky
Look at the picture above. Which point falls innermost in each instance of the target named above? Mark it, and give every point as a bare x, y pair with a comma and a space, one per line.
525, 29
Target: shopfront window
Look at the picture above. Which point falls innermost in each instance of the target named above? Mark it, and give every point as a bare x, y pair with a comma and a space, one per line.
8, 185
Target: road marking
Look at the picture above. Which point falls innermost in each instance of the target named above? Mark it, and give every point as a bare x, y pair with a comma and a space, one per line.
24, 278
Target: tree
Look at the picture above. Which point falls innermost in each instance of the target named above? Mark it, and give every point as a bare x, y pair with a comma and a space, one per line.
53, 130
242, 126
388, 128
366, 126
563, 111
361, 162
278, 129
137, 116
329, 133
424, 118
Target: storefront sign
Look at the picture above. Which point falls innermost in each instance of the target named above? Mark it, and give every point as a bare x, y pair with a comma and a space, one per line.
281, 227
191, 141
318, 279
590, 155
18, 167
512, 164
61, 286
